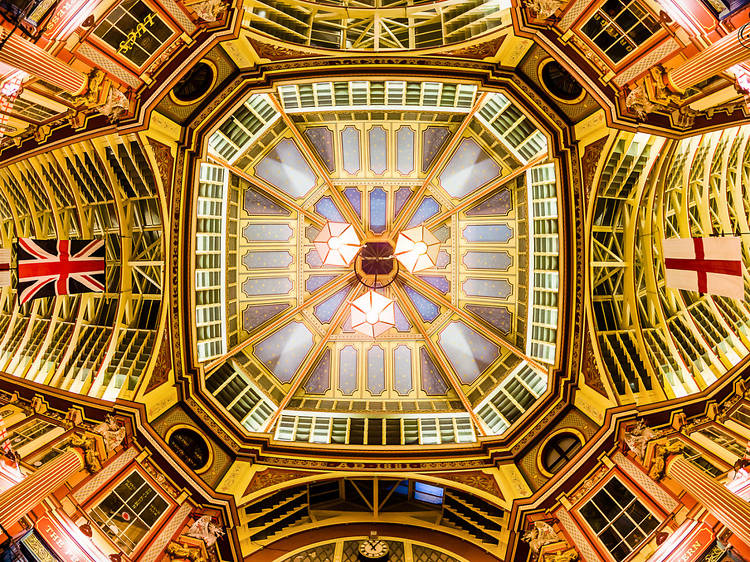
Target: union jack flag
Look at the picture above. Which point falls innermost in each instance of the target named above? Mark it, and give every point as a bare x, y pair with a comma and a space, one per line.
59, 267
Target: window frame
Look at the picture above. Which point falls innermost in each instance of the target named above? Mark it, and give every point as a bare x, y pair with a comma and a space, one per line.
109, 488
638, 51
728, 432
740, 406
653, 509
123, 60
541, 465
34, 419
710, 457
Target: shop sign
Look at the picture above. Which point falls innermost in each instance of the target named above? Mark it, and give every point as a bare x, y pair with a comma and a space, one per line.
66, 11
693, 546
60, 541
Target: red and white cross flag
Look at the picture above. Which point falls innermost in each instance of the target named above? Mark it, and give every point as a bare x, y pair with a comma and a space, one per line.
706, 265
4, 267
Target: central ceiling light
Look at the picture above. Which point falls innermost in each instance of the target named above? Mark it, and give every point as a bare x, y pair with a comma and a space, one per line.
416, 249
372, 314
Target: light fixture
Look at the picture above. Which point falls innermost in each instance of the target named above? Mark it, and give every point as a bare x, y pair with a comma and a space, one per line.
337, 243
417, 249
372, 314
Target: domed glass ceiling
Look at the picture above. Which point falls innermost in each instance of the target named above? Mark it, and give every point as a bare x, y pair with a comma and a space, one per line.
474, 335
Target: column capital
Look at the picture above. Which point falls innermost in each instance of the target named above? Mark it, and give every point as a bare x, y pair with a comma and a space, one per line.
658, 455
90, 449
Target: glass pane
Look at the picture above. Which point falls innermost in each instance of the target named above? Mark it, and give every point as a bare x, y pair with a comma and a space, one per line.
140, 500
649, 524
620, 552
593, 27
626, 20
610, 538
613, 7
639, 34
606, 505
635, 538
129, 486
624, 525
604, 40
136, 531
593, 517
619, 492
110, 505
619, 50
638, 511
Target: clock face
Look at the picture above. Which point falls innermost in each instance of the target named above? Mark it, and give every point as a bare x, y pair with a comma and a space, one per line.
373, 549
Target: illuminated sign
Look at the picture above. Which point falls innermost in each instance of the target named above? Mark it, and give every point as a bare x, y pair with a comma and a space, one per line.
693, 546
60, 541
67, 11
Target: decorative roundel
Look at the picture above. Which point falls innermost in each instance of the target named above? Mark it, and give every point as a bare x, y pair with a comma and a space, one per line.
191, 447
560, 83
195, 84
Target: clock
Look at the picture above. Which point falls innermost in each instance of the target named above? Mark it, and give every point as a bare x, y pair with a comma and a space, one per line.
373, 550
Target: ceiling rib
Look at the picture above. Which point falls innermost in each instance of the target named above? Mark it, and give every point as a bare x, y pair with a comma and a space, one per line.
437, 353
413, 202
338, 199
317, 297
312, 216
486, 190
299, 376
440, 299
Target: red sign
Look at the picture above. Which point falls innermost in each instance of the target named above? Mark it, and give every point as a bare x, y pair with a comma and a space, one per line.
60, 541
693, 546
66, 11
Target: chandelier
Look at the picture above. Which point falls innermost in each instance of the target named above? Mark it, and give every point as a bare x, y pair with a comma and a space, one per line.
417, 249
337, 244
376, 265
372, 314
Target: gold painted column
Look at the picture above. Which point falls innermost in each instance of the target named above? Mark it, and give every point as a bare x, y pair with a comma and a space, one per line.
17, 501
730, 510
726, 52
24, 55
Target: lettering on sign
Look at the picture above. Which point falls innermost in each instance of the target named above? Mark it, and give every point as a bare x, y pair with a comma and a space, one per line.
62, 543
133, 36
62, 16
693, 546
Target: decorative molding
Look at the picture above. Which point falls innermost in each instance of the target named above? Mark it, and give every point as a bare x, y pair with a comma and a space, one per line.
272, 477
588, 484
480, 50
583, 546
179, 15
277, 52
108, 65
591, 375
576, 8
647, 61
651, 488
589, 162
104, 475
163, 364
474, 479
159, 544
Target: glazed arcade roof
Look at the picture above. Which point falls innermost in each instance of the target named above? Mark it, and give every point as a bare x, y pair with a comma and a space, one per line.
474, 337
